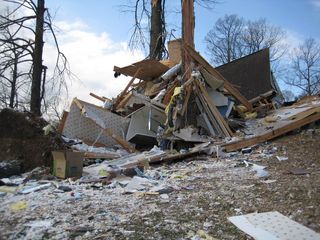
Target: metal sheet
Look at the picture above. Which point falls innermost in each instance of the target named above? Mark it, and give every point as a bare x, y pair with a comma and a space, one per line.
144, 124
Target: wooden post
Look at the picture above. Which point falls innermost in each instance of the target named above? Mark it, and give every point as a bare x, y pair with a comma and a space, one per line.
62, 122
187, 35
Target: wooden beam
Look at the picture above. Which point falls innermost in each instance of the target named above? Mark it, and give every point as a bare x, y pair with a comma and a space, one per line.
79, 105
62, 122
101, 155
229, 147
186, 100
124, 100
119, 98
169, 92
224, 125
92, 143
304, 114
102, 99
227, 85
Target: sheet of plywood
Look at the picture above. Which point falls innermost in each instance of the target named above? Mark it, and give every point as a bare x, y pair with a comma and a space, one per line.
272, 131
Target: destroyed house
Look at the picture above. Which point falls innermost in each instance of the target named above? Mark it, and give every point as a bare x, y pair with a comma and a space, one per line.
160, 106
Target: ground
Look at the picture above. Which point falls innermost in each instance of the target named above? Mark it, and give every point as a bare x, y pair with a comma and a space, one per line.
205, 193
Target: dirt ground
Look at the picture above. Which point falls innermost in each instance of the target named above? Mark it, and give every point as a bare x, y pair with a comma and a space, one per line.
205, 193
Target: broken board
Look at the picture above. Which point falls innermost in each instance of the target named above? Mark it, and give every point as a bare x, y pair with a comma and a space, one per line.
149, 69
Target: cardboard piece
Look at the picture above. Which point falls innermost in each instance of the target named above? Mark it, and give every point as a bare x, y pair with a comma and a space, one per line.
67, 164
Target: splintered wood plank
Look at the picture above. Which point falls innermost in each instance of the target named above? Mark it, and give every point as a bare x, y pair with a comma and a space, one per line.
62, 122
101, 155
102, 99
124, 100
224, 125
205, 109
227, 85
150, 69
124, 92
304, 114
186, 101
169, 92
270, 134
126, 145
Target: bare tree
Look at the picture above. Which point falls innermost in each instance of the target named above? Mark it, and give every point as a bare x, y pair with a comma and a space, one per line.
260, 34
232, 37
154, 34
14, 66
306, 67
224, 39
41, 19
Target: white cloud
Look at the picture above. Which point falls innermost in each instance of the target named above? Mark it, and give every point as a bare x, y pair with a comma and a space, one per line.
293, 38
316, 3
91, 57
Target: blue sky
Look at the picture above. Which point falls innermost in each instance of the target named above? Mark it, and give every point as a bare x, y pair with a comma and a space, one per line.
300, 18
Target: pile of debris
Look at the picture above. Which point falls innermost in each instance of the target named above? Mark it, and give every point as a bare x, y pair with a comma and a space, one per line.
26, 142
204, 113
197, 198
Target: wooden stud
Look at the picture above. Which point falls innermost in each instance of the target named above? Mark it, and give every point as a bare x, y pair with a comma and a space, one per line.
227, 85
124, 100
226, 129
101, 155
119, 98
169, 92
102, 99
62, 122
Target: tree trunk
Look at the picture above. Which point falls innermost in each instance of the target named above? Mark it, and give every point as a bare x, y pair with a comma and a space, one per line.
35, 104
156, 38
14, 80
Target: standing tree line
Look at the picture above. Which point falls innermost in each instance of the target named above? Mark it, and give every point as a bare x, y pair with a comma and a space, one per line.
23, 76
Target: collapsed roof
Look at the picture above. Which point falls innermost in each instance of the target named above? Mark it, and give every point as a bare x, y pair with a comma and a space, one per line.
251, 74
